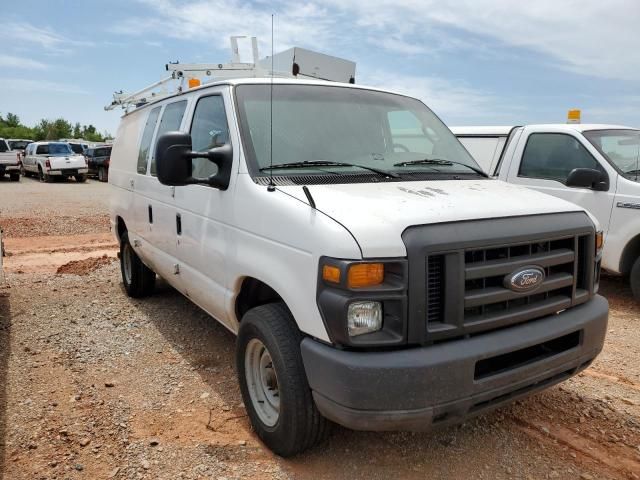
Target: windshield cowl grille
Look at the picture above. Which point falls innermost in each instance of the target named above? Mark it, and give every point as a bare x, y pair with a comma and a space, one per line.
330, 179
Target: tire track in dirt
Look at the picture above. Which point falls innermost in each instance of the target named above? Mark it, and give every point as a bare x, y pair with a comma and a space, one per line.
50, 254
612, 459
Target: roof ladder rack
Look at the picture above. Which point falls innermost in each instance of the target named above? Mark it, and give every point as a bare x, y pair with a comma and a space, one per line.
292, 63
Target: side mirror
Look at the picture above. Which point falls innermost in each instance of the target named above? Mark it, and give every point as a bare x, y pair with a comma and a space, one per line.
174, 161
588, 178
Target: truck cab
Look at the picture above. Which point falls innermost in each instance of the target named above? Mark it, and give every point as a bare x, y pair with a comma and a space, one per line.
9, 162
594, 166
375, 277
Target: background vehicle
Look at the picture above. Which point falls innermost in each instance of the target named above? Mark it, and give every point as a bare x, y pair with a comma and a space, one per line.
375, 277
78, 148
98, 159
18, 144
9, 162
594, 166
49, 160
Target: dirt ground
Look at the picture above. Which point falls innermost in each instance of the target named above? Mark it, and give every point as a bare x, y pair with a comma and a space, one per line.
96, 385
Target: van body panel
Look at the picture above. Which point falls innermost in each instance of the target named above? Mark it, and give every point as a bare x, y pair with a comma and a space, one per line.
378, 213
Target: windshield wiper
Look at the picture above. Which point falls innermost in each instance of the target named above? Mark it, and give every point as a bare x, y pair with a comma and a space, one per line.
439, 161
329, 163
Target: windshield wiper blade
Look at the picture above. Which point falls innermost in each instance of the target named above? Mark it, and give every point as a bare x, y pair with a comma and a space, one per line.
329, 163
439, 161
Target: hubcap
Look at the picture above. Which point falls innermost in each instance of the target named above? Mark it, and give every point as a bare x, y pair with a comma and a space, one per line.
262, 382
127, 263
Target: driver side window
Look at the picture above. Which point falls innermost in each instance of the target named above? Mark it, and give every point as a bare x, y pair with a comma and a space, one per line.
407, 134
209, 129
552, 156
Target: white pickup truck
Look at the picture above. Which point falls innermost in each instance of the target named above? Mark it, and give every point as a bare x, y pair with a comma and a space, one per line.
9, 163
594, 166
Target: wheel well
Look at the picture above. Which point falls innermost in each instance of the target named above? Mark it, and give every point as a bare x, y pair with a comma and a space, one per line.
122, 227
254, 293
629, 254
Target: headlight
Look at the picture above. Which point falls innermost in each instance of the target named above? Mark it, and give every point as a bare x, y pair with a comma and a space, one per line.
364, 317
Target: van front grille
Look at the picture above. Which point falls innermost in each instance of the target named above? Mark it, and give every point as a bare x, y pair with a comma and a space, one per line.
464, 281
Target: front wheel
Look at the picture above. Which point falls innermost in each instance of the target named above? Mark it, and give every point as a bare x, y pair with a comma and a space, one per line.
274, 384
634, 279
139, 280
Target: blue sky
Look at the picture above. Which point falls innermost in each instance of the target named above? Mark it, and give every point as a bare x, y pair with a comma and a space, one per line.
482, 62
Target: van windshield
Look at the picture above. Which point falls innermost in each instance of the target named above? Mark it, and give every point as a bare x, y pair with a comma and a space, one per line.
328, 124
620, 147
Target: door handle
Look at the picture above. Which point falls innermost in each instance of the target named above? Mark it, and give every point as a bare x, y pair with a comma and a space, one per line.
150, 211
178, 224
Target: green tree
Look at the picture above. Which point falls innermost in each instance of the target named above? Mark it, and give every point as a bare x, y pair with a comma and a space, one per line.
12, 120
77, 130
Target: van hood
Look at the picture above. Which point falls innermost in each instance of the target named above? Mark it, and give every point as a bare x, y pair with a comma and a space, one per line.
376, 214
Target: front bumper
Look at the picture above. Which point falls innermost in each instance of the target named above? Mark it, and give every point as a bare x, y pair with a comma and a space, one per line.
416, 388
68, 172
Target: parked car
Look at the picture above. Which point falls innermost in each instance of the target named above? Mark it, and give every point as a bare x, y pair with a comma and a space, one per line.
49, 160
9, 162
594, 166
18, 144
78, 147
98, 159
373, 282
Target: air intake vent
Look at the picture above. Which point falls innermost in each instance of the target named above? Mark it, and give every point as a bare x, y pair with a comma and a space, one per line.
435, 289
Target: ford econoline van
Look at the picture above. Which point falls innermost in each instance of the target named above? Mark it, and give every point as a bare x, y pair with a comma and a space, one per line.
374, 275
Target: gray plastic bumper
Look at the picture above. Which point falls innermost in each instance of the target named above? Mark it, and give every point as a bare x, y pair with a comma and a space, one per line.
416, 388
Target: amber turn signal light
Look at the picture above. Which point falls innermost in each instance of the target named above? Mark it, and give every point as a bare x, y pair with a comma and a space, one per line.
331, 274
365, 275
599, 241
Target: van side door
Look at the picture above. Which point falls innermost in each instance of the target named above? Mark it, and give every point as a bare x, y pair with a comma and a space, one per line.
546, 158
153, 202
203, 210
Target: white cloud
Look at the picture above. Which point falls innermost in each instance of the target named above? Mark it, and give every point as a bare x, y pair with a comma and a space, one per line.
453, 101
10, 61
589, 37
23, 85
41, 36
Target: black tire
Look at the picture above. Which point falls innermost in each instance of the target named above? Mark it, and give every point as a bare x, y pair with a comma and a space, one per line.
139, 280
299, 425
44, 177
634, 279
15, 177
80, 178
103, 176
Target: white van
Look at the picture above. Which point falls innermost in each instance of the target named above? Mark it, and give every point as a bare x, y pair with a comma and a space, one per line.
594, 166
375, 282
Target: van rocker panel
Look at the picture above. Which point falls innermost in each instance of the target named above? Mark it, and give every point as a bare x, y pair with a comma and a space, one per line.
412, 389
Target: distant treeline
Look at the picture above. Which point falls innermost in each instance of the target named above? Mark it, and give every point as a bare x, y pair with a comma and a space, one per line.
11, 127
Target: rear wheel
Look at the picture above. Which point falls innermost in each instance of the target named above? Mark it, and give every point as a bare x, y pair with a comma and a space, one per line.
634, 279
274, 384
15, 177
139, 280
44, 177
102, 174
80, 178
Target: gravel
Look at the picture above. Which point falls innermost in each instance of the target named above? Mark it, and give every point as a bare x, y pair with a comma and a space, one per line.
94, 384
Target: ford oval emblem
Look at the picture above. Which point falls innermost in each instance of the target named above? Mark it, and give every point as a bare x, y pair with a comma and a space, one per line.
525, 279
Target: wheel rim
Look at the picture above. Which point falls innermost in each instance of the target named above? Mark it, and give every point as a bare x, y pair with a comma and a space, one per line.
262, 382
127, 263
